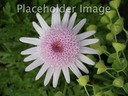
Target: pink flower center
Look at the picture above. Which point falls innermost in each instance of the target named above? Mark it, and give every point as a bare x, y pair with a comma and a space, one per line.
59, 46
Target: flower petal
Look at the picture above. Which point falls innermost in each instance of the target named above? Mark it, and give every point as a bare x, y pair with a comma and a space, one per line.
65, 71
34, 64
72, 21
42, 22
33, 41
81, 66
56, 16
86, 50
29, 51
31, 57
77, 28
75, 70
66, 17
42, 71
88, 42
85, 35
39, 30
48, 76
85, 59
56, 76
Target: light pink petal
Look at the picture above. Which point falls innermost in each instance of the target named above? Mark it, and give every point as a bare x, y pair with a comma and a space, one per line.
29, 51
85, 35
31, 57
42, 22
42, 71
72, 21
56, 16
75, 70
81, 66
34, 64
86, 50
38, 29
65, 71
33, 41
56, 76
85, 59
88, 42
77, 28
48, 76
66, 17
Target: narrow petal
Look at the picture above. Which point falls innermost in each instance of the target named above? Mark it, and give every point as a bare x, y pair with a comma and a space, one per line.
29, 51
56, 16
85, 59
65, 71
42, 71
39, 30
31, 57
85, 35
33, 41
86, 50
66, 17
48, 76
34, 64
72, 21
77, 28
75, 70
42, 22
53, 17
88, 42
56, 76
81, 66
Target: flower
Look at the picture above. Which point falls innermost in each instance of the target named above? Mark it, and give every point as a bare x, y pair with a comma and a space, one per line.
59, 47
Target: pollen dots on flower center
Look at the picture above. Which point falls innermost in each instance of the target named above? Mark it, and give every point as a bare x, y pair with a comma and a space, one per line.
59, 46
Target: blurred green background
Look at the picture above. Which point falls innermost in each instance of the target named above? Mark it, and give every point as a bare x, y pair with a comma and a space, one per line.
14, 81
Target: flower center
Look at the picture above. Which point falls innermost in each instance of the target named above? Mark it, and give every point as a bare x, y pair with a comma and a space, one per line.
57, 47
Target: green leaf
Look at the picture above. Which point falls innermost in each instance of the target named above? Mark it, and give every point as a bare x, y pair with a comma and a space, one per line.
111, 14
118, 46
110, 36
115, 3
118, 82
116, 29
101, 67
96, 88
109, 93
59, 93
7, 9
91, 27
119, 66
111, 58
126, 87
104, 19
83, 80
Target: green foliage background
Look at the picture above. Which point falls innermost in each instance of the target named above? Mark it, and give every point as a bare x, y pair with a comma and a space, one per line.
14, 81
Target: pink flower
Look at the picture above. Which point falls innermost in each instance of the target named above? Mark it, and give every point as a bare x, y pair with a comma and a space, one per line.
59, 47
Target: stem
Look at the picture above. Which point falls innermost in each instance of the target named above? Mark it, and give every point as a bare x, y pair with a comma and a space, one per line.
125, 90
65, 87
110, 74
115, 38
86, 91
118, 13
118, 57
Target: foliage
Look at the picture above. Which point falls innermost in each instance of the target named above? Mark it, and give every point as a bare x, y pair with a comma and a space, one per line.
108, 77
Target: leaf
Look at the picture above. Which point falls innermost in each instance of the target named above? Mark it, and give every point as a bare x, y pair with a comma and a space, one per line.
59, 93
118, 82
126, 87
119, 66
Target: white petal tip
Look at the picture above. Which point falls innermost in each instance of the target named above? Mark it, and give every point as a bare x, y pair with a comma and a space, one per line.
37, 78
27, 69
